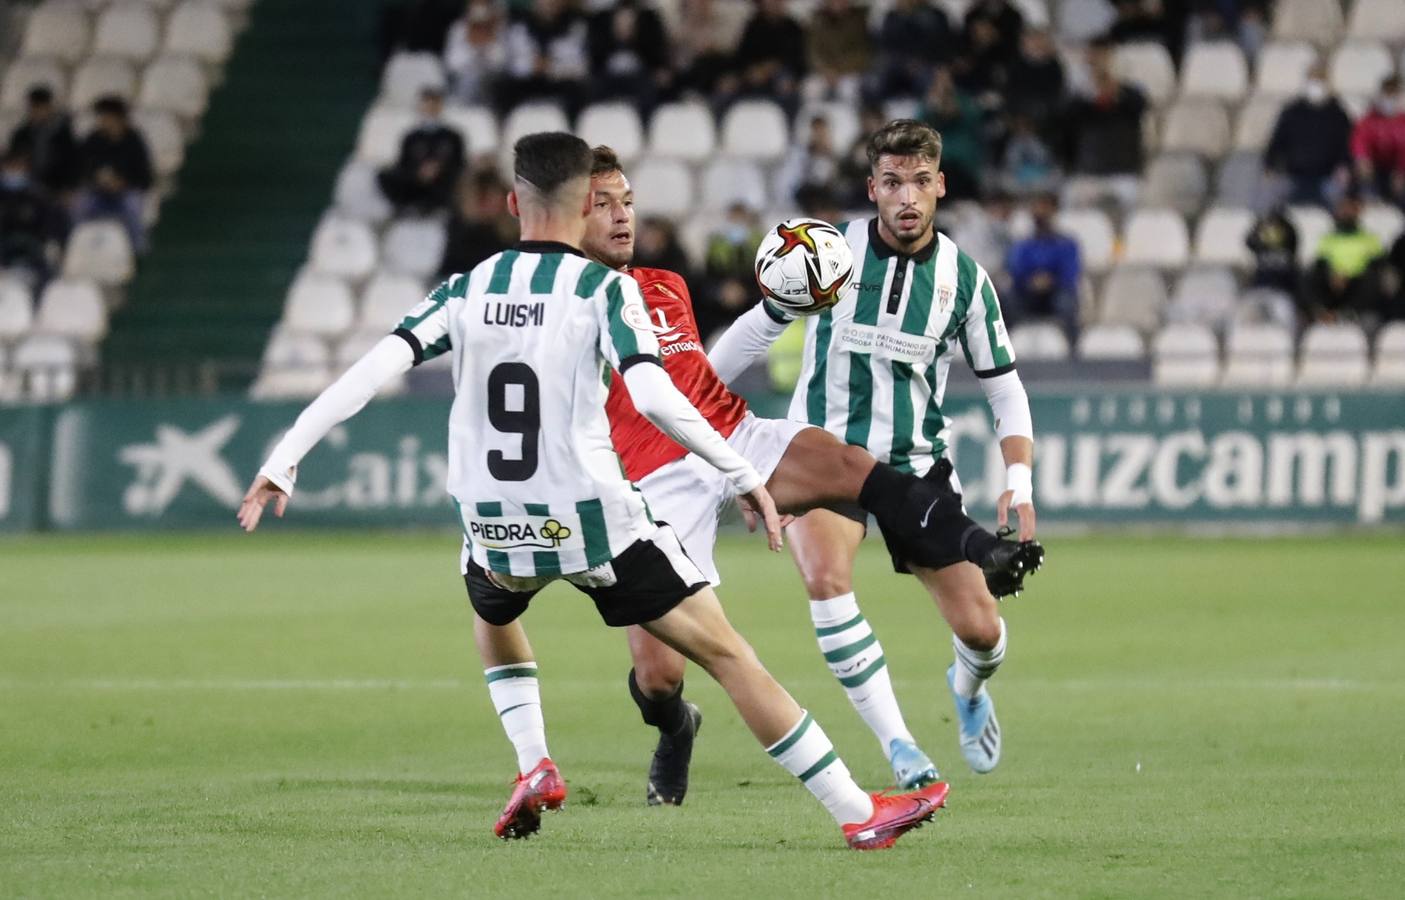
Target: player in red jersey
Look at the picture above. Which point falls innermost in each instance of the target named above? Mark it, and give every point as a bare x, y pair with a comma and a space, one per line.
805, 467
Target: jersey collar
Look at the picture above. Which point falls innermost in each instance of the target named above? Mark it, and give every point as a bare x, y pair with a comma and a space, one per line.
546, 247
879, 248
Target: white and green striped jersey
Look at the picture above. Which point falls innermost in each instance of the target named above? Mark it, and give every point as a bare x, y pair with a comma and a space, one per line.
876, 363
532, 470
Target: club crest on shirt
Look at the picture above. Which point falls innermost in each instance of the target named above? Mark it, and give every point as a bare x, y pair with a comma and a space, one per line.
945, 295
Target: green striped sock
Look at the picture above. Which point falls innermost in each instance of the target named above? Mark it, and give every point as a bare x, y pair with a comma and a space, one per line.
806, 753
517, 698
855, 657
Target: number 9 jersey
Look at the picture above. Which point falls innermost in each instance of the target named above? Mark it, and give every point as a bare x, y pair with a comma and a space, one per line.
532, 471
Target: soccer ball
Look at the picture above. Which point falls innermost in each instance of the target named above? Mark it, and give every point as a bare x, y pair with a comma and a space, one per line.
803, 266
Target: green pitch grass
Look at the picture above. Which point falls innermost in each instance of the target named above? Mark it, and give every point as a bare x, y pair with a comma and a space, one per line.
292, 715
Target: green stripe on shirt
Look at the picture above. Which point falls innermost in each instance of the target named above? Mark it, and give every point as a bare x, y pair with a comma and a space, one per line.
621, 335
502, 273
594, 532
544, 276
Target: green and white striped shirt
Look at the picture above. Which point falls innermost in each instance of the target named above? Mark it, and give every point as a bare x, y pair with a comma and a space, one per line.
532, 469
876, 363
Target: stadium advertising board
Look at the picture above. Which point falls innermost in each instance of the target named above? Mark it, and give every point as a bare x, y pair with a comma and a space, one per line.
1118, 457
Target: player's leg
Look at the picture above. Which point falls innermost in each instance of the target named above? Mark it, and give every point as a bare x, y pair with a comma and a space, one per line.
656, 685
824, 545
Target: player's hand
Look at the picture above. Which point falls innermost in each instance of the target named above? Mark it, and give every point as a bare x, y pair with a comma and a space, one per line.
260, 492
757, 505
1024, 512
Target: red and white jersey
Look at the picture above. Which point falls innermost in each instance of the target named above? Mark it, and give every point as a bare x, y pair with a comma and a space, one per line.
641, 447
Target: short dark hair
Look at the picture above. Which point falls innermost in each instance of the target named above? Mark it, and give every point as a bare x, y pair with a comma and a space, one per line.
110, 104
548, 159
604, 160
905, 137
40, 94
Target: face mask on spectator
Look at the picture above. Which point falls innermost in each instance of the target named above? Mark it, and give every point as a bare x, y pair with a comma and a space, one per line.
735, 232
1315, 91
14, 180
1389, 105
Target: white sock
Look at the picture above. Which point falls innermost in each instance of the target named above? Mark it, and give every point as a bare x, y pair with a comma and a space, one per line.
807, 754
518, 701
856, 659
975, 667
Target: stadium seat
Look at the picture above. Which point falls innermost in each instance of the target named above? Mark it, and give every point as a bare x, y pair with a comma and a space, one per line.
1240, 180
1359, 66
318, 304
1219, 238
199, 30
726, 181
1283, 67
532, 117
1317, 21
1390, 356
755, 129
127, 30
99, 251
288, 349
1177, 181
100, 76
1040, 342
413, 247
1092, 229
16, 308
1082, 20
1111, 342
409, 73
343, 248
478, 126
843, 118
163, 137
27, 72
1185, 355
175, 84
386, 300
1334, 355
1254, 125
57, 30
73, 309
1148, 65
663, 187
47, 365
1313, 223
1196, 126
614, 124
1204, 294
1215, 69
358, 195
1377, 20
1258, 356
290, 384
1384, 221
1134, 297
1265, 306
1156, 237
682, 131
382, 129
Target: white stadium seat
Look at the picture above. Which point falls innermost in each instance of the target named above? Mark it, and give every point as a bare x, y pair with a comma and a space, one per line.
478, 126
1258, 356
200, 30
413, 247
843, 118
1318, 21
99, 251
1040, 342
100, 76
1254, 125
530, 118
755, 129
682, 131
16, 308
288, 349
386, 300
1156, 237
1206, 294
128, 30
1359, 66
663, 187
343, 248
1334, 356
1215, 69
1384, 221
47, 365
1313, 223
1185, 355
1283, 67
1390, 356
1082, 20
58, 30
1092, 229
73, 309
1147, 65
1133, 297
1111, 342
163, 137
1196, 126
358, 195
1241, 180
319, 304
1177, 181
1219, 238
290, 384
175, 84
1377, 20
27, 72
614, 124
409, 73
381, 131
726, 181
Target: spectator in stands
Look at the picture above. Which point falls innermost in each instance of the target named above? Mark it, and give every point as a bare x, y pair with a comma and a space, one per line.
979, 66
31, 224
1104, 136
1378, 145
430, 162
116, 171
1028, 166
46, 135
656, 246
480, 225
914, 37
546, 56
1044, 271
839, 51
1034, 80
961, 122
770, 61
629, 55
819, 201
731, 280
416, 26
1003, 19
1274, 243
851, 185
1344, 281
1393, 297
983, 233
1243, 21
1310, 144
475, 52
811, 162
1137, 21
704, 43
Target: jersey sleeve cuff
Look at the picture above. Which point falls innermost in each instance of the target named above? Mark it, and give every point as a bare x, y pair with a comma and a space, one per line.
776, 315
996, 372
630, 361
415, 346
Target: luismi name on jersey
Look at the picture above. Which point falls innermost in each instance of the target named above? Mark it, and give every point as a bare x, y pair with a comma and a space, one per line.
513, 315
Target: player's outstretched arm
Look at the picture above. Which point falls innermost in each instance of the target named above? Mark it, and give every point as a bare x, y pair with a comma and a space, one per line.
749, 336
340, 401
1014, 426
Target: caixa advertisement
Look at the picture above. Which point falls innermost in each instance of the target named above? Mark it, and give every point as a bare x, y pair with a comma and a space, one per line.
1277, 459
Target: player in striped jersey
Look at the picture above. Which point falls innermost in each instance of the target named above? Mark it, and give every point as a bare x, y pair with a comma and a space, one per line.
541, 495
875, 370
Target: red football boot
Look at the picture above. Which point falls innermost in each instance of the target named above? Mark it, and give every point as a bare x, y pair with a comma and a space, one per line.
542, 788
894, 815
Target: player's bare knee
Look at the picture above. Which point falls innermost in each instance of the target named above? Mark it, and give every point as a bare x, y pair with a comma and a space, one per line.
658, 675
826, 580
978, 627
